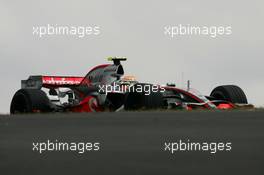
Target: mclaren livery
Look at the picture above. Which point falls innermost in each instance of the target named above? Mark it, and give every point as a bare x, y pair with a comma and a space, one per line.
106, 88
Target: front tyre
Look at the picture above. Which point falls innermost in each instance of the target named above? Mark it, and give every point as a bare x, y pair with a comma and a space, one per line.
231, 93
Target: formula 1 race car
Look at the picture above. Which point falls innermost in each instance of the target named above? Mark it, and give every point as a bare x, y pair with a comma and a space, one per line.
105, 88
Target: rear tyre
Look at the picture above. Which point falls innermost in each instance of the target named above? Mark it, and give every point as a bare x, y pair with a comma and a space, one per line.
143, 100
230, 93
29, 101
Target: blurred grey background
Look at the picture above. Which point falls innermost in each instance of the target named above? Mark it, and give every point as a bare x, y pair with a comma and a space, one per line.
135, 29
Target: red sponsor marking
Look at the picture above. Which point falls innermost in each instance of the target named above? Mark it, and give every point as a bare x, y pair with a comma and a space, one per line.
57, 80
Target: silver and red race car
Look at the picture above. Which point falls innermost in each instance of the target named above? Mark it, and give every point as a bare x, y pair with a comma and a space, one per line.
105, 88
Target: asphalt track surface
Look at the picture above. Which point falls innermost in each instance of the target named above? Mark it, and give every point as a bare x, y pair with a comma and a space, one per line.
133, 143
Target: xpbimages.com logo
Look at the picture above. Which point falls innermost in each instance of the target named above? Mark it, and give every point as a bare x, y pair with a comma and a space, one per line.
145, 89
79, 31
191, 30
51, 146
183, 146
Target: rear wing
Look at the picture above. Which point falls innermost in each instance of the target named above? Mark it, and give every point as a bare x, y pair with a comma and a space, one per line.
39, 81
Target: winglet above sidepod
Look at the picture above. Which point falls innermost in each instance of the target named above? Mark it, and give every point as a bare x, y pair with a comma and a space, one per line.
116, 60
